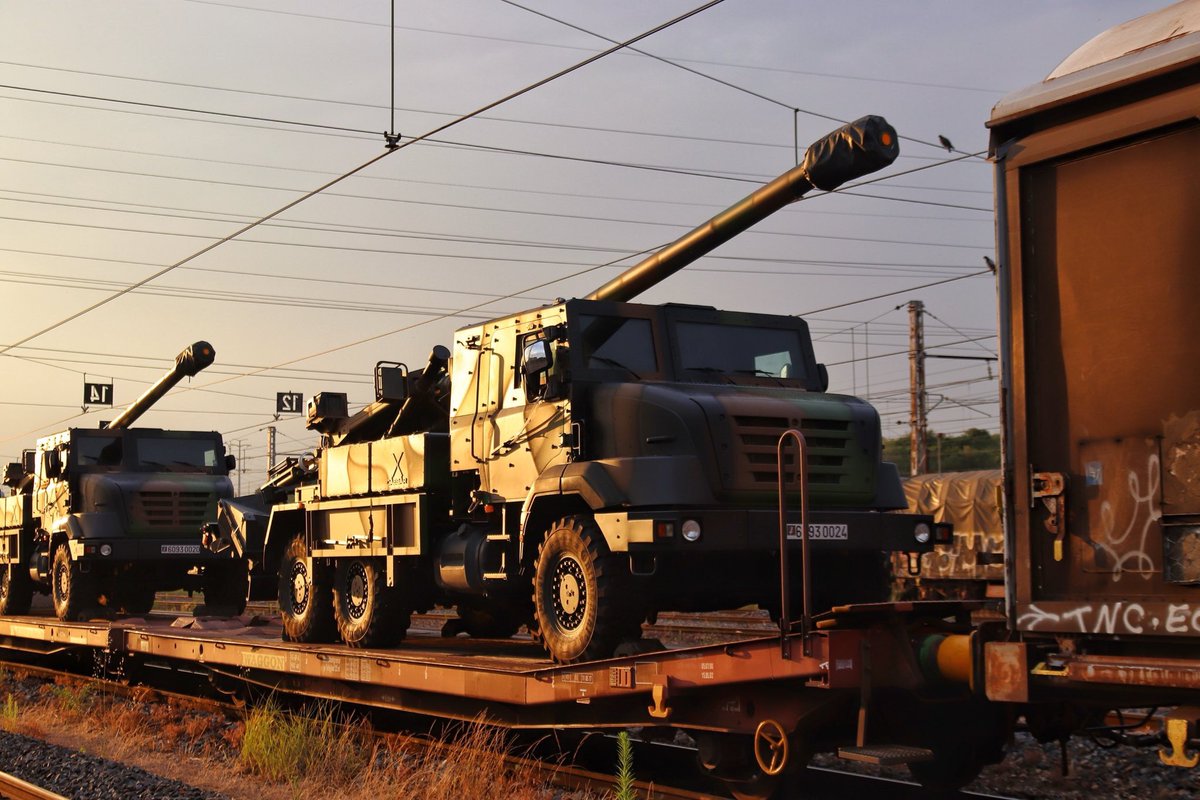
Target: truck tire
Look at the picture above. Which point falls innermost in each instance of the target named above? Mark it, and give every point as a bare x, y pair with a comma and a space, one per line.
305, 601
16, 590
369, 613
72, 590
225, 586
583, 599
138, 598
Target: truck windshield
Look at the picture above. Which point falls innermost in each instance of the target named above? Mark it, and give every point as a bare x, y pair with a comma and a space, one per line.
622, 342
97, 451
177, 454
741, 349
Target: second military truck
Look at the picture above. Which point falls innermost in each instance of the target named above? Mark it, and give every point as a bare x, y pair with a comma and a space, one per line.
580, 467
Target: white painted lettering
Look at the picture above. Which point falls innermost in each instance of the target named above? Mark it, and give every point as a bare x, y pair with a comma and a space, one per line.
1106, 618
1078, 615
1132, 625
1177, 618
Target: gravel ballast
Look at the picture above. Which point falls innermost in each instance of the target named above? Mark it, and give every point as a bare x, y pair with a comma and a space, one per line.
83, 777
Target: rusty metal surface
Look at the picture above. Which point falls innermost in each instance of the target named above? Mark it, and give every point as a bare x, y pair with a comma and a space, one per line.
726, 686
1179, 673
1101, 296
1006, 672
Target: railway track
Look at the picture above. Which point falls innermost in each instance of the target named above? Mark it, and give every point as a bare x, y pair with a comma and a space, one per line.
13, 788
666, 771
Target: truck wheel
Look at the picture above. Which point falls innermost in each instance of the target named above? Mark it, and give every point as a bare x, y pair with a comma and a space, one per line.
580, 606
16, 590
73, 591
369, 613
305, 600
137, 599
225, 588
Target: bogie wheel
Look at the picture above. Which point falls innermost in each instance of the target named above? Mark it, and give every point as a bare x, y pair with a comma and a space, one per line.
305, 596
583, 599
369, 613
16, 589
758, 787
226, 585
766, 766
72, 590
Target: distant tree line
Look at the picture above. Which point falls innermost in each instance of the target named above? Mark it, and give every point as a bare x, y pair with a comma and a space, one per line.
972, 449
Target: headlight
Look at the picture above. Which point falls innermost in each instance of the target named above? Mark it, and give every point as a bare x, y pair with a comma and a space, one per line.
922, 533
691, 530
106, 549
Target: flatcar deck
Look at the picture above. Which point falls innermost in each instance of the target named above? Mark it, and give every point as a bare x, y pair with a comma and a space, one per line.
510, 681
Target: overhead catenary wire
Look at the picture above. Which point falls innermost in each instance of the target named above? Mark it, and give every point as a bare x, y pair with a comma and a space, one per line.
729, 84
510, 40
387, 152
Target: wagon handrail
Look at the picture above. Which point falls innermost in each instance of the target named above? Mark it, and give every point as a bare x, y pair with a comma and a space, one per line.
785, 601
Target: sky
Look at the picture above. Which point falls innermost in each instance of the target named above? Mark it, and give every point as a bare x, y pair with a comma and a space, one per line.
138, 133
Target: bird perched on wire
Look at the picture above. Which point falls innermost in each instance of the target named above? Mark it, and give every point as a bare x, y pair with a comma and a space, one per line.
945, 143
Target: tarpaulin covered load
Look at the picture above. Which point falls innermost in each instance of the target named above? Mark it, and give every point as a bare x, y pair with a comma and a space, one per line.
971, 501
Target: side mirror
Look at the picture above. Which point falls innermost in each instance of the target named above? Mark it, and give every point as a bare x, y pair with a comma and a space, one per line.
13, 473
230, 462
823, 377
536, 358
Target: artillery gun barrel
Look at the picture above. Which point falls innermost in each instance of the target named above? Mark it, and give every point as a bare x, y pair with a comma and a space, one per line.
187, 365
854, 150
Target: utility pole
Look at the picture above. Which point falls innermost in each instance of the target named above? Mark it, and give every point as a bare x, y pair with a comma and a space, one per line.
919, 459
241, 455
270, 447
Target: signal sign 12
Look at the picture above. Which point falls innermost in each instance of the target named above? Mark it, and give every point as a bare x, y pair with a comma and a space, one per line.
289, 402
97, 394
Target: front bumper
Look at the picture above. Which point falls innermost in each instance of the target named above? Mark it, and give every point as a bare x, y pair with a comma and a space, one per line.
757, 530
158, 550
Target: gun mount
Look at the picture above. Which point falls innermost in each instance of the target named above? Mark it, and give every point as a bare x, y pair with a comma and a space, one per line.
188, 364
852, 151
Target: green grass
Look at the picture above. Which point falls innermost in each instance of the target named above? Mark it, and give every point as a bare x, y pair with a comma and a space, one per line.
73, 699
288, 747
624, 788
9, 711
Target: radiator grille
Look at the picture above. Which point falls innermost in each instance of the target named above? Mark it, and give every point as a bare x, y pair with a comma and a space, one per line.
756, 438
171, 509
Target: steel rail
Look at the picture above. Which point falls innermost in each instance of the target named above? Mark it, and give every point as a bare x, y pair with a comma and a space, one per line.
13, 788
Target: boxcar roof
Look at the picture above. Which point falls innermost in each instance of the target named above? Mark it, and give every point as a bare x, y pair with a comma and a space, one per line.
1160, 42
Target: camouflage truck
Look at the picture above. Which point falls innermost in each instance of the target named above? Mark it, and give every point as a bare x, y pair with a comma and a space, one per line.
584, 465
103, 518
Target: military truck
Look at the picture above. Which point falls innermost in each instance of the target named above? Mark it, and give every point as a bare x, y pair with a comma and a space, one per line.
104, 518
584, 465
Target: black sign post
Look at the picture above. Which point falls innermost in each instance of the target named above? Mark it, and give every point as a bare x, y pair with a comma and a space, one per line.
97, 394
289, 403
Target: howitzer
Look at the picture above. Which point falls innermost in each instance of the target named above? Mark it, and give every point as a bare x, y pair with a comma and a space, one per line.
852, 151
595, 461
110, 516
188, 364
